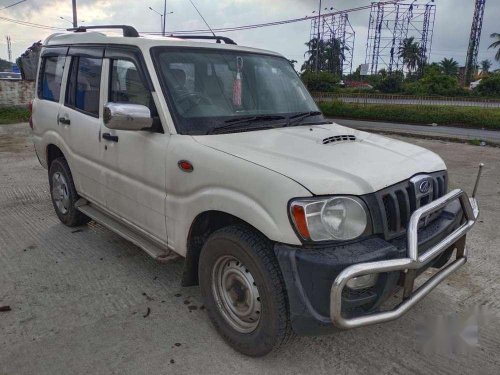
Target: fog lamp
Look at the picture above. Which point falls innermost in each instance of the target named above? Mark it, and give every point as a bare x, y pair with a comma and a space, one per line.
362, 282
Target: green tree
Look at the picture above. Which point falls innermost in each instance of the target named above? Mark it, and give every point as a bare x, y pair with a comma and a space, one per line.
321, 81
325, 55
5, 65
449, 67
434, 82
496, 44
391, 83
489, 86
486, 66
409, 51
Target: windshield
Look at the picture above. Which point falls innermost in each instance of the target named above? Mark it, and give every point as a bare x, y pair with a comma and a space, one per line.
209, 89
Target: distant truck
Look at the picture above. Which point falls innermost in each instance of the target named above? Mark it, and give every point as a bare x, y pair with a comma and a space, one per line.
10, 75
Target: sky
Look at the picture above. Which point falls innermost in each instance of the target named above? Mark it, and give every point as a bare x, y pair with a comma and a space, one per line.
451, 30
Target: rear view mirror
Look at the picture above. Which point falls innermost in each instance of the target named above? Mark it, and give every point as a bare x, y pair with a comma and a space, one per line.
126, 116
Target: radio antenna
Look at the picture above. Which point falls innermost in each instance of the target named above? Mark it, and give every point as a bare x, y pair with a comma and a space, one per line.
204, 20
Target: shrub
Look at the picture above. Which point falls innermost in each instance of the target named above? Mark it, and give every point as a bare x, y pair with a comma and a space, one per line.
489, 86
321, 81
391, 84
475, 117
434, 82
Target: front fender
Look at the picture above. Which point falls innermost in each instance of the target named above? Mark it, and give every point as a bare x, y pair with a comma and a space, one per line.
225, 183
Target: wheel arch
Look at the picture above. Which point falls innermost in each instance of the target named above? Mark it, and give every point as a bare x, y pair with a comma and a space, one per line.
53, 152
201, 228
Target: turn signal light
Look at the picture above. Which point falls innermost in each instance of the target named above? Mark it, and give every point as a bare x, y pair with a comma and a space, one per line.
299, 217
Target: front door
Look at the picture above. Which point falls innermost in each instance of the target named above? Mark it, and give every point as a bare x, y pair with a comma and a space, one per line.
134, 161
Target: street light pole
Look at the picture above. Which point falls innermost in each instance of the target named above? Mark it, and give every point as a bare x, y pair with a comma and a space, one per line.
164, 17
75, 20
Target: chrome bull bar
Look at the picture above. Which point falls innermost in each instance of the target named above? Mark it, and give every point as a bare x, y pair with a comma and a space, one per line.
409, 265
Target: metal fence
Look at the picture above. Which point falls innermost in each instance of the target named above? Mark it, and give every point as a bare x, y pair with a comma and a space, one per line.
405, 99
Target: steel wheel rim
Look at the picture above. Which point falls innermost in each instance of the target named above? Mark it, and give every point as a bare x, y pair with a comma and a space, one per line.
60, 192
236, 294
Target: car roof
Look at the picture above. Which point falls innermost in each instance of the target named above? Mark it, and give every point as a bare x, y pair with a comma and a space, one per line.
143, 42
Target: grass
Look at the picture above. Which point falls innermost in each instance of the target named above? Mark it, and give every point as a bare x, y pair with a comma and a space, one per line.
12, 115
473, 117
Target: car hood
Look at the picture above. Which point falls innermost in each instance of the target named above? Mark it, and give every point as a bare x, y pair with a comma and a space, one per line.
361, 166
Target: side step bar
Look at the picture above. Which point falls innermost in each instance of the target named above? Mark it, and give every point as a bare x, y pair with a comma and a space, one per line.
154, 250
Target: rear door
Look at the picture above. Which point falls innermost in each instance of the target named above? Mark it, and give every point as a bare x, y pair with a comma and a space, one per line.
134, 161
49, 94
80, 120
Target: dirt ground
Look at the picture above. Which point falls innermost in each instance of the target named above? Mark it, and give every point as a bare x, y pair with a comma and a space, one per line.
83, 300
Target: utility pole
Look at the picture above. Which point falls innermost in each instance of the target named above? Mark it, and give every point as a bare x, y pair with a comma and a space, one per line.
317, 41
9, 48
75, 20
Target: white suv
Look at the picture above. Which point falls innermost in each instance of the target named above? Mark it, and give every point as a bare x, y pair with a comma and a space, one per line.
218, 154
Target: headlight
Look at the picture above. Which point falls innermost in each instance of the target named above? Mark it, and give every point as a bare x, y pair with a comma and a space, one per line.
335, 218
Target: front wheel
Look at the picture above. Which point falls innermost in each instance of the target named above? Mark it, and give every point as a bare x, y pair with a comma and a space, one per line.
243, 290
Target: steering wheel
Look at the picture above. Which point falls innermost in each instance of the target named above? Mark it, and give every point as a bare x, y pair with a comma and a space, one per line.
195, 98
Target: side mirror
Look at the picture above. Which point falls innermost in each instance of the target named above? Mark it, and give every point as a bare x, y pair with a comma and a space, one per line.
125, 116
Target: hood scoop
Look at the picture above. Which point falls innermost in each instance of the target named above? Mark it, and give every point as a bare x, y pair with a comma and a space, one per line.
339, 138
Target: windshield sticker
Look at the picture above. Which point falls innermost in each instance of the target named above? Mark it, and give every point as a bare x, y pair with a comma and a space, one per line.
237, 88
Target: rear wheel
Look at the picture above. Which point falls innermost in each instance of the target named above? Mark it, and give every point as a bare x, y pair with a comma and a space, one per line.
64, 195
243, 290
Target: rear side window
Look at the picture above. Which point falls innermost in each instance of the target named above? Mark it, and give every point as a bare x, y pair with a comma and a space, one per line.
84, 84
49, 86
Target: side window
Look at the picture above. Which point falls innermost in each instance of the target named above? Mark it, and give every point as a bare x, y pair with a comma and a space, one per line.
126, 85
49, 84
84, 84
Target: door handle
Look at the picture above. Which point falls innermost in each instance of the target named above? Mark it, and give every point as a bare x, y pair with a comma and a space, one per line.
109, 137
63, 120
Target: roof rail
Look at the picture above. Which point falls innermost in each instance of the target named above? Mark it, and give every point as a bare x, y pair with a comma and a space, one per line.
210, 37
128, 31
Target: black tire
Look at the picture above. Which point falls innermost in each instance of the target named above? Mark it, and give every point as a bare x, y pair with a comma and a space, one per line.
256, 255
69, 216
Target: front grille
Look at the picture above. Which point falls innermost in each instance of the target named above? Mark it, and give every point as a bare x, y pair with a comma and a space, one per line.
398, 202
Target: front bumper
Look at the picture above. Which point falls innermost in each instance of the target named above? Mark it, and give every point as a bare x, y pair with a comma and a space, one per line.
316, 278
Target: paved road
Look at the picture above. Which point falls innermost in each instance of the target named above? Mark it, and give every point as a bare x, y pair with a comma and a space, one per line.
491, 136
80, 297
402, 101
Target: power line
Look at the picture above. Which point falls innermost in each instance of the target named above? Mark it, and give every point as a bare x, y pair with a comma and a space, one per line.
268, 24
12, 5
31, 24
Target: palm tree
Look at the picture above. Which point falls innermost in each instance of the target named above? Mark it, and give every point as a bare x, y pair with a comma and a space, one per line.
485, 66
334, 56
449, 67
496, 44
316, 51
410, 52
329, 55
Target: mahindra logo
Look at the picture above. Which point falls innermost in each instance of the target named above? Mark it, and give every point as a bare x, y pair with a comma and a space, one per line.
424, 186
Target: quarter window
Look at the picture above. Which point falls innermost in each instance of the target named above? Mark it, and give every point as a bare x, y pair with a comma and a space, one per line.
49, 86
84, 84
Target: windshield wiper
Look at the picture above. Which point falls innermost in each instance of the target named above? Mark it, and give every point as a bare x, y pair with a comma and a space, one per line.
299, 117
234, 123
